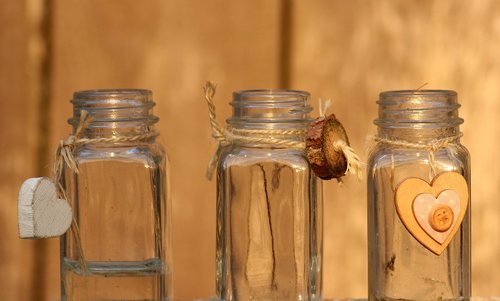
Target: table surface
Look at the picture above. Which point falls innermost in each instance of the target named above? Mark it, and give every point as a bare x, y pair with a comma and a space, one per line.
476, 298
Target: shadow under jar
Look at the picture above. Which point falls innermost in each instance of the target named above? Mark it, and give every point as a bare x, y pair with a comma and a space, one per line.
399, 266
269, 203
119, 200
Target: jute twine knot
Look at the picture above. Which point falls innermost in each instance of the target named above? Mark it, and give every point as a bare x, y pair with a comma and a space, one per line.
64, 155
293, 138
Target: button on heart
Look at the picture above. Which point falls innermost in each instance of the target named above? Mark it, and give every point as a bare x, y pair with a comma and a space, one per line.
437, 216
433, 213
40, 213
442, 217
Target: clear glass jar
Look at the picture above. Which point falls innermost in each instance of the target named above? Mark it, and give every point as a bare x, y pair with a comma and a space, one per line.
119, 200
269, 204
399, 266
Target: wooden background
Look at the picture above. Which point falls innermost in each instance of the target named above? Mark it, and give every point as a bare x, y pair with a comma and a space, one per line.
345, 50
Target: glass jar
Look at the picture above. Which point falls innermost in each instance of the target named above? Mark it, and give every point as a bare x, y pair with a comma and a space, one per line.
269, 202
119, 198
418, 133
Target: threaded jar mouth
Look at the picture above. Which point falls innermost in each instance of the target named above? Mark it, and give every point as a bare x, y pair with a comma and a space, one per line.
268, 96
270, 108
113, 97
418, 109
114, 105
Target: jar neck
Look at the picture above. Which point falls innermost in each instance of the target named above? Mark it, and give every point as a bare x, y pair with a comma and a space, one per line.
277, 114
113, 113
270, 109
418, 116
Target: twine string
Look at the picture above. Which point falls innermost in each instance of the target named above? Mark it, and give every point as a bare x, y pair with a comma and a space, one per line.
293, 138
432, 147
217, 130
420, 88
323, 107
64, 156
279, 137
354, 164
275, 137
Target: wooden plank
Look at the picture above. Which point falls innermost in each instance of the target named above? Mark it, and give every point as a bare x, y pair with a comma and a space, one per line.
20, 60
171, 47
350, 51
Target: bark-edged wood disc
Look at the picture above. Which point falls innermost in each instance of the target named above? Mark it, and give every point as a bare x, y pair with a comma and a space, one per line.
326, 162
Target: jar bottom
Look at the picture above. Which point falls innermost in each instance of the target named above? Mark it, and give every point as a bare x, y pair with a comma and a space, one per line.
127, 280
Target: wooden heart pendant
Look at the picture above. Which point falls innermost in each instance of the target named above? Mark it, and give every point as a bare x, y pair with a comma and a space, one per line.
433, 213
41, 213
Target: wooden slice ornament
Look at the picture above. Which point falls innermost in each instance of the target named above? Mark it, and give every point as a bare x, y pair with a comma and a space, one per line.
325, 161
433, 213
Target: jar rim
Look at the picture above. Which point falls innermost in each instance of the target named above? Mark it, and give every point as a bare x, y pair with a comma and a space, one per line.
84, 94
270, 108
258, 96
271, 92
114, 105
418, 109
112, 99
423, 92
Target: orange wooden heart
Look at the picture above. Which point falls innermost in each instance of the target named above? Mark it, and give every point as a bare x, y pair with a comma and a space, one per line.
411, 188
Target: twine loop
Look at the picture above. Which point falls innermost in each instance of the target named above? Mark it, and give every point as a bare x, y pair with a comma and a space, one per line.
293, 138
432, 146
64, 156
267, 136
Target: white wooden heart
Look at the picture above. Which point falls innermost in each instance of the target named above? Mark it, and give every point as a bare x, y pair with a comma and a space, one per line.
40, 213
420, 205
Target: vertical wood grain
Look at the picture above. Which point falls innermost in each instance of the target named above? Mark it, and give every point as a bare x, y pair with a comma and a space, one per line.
345, 50
171, 47
21, 56
351, 51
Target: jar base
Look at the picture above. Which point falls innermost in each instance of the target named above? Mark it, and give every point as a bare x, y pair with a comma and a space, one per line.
136, 280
